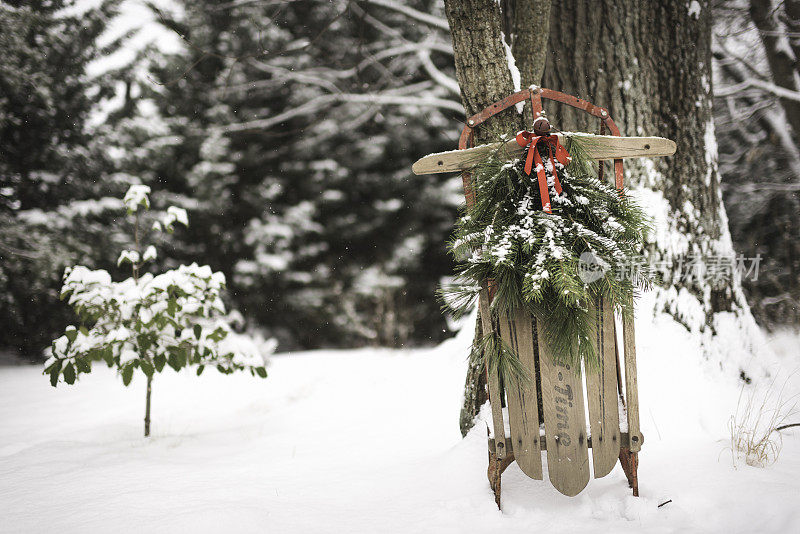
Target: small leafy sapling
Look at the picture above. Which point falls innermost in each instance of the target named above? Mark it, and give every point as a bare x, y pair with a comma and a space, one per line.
148, 321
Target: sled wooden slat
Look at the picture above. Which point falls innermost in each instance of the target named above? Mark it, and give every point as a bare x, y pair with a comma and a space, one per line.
564, 423
631, 384
600, 147
516, 329
493, 381
601, 390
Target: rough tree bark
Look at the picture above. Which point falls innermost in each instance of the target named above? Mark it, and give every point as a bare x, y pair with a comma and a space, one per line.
480, 58
649, 63
529, 37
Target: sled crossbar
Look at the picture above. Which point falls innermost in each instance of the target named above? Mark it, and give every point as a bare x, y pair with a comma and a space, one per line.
624, 439
598, 147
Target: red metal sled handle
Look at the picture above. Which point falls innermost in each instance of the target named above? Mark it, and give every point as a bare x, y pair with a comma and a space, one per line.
535, 95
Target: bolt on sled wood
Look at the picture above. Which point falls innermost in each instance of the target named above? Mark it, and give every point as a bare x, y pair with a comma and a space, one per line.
548, 413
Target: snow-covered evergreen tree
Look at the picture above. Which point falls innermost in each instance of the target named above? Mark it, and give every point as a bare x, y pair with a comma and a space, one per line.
54, 190
302, 193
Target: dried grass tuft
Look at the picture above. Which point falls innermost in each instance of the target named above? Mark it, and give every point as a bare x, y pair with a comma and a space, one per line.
754, 425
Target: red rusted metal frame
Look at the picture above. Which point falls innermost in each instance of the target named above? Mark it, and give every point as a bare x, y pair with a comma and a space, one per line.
535, 95
601, 165
468, 133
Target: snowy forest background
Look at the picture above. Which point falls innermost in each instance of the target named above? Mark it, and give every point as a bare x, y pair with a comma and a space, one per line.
287, 131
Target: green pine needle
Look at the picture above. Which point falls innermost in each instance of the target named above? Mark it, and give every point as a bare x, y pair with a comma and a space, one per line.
500, 359
534, 258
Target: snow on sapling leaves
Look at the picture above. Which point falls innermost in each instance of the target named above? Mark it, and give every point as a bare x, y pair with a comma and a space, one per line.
136, 197
150, 254
148, 321
174, 215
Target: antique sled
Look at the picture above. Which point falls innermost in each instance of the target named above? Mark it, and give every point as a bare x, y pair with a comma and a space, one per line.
613, 410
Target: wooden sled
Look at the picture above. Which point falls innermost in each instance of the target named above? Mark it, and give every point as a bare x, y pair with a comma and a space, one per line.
561, 387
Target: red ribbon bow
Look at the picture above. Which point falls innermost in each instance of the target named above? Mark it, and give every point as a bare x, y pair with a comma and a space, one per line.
560, 154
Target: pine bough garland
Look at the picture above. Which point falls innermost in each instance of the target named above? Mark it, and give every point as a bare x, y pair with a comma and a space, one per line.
533, 258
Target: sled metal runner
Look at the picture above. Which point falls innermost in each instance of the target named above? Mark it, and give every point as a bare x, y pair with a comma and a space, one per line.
565, 438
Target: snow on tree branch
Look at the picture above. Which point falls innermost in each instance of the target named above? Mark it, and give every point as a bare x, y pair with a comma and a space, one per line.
768, 87
436, 75
430, 20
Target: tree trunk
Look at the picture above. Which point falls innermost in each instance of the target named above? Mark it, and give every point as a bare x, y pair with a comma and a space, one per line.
529, 38
480, 59
482, 69
147, 407
475, 394
782, 64
649, 63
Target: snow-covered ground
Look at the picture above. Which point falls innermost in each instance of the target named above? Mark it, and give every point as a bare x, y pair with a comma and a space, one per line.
367, 441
